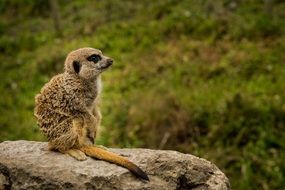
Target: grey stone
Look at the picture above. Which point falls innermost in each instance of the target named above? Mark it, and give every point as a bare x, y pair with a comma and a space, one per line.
29, 165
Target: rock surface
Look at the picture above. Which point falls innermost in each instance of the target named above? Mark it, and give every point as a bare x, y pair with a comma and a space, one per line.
28, 165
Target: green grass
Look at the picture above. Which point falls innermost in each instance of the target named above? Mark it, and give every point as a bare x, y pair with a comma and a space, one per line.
206, 77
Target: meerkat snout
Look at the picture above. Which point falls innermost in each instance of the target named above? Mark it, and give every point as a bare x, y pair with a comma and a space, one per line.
110, 61
106, 64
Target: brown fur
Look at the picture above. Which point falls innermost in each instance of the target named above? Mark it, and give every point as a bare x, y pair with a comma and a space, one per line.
67, 109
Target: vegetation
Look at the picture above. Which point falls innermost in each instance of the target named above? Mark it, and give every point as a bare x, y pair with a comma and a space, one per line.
202, 77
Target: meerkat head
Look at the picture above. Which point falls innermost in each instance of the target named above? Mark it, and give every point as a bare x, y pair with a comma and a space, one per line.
87, 63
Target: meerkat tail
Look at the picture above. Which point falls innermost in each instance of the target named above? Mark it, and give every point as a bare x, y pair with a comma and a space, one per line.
111, 157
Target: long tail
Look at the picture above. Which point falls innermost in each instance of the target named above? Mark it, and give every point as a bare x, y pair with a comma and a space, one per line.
102, 154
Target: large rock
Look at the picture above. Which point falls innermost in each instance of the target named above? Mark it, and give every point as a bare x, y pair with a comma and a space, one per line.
28, 165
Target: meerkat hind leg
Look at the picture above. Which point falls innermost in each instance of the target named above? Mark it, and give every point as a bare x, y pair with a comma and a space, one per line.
77, 154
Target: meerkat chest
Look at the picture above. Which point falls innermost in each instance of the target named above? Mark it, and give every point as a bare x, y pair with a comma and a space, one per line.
92, 94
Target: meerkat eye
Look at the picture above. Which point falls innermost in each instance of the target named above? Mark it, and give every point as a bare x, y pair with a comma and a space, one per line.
94, 58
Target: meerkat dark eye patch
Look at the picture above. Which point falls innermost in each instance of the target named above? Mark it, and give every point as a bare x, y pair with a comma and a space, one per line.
94, 58
76, 66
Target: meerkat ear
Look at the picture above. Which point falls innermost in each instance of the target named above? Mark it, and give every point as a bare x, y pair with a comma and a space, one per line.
76, 66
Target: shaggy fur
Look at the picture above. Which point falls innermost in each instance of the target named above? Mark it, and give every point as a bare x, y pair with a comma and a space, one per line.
67, 108
71, 99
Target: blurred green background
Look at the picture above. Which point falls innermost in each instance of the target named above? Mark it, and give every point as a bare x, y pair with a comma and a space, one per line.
201, 77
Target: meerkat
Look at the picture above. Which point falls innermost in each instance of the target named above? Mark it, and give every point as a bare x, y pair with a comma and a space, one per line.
67, 109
